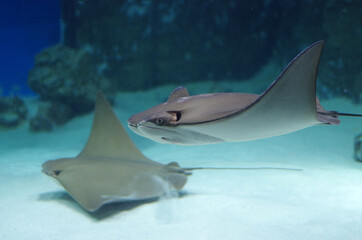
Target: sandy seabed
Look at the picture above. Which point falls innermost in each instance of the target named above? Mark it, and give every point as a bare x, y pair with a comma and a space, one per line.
324, 201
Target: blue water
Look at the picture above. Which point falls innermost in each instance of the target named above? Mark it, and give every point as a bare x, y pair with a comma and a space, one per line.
26, 27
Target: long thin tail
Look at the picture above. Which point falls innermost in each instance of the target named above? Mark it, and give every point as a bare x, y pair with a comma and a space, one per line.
331, 117
348, 114
258, 168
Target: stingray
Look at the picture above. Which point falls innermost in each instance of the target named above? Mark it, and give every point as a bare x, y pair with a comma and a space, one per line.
288, 105
110, 168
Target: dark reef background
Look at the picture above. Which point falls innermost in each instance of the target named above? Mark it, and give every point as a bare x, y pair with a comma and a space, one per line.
26, 27
125, 45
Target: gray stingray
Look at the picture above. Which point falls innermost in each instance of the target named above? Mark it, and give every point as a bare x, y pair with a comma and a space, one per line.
110, 167
288, 105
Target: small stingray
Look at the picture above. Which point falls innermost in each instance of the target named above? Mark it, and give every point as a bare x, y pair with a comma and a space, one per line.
110, 168
288, 105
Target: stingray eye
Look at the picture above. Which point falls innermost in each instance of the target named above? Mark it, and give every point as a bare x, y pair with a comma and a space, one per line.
56, 172
159, 121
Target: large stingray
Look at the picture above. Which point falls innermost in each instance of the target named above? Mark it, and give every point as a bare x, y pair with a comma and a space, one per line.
110, 167
288, 105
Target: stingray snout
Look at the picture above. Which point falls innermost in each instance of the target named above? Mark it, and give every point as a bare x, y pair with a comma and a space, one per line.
132, 124
50, 169
137, 124
52, 173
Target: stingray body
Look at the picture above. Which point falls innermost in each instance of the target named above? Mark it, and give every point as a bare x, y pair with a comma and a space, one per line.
110, 168
288, 105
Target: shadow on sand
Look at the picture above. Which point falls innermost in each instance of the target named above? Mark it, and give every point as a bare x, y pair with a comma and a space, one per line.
106, 211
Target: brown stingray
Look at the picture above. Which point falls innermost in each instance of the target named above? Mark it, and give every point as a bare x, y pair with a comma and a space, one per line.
288, 105
110, 167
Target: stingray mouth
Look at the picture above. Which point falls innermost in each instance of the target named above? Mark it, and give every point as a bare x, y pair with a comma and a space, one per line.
132, 125
54, 173
48, 169
135, 128
143, 128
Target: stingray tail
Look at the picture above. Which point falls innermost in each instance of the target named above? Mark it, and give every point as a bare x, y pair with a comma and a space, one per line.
331, 117
348, 114
252, 169
326, 117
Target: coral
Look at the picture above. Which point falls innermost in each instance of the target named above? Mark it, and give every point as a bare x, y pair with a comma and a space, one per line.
13, 112
49, 114
41, 122
68, 76
59, 113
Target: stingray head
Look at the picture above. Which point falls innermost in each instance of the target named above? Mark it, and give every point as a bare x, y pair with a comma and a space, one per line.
165, 123
157, 128
163, 128
54, 168
157, 123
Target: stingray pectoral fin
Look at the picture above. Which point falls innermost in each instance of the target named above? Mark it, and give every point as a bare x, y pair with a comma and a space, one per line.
291, 99
288, 105
95, 182
89, 201
83, 188
108, 138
